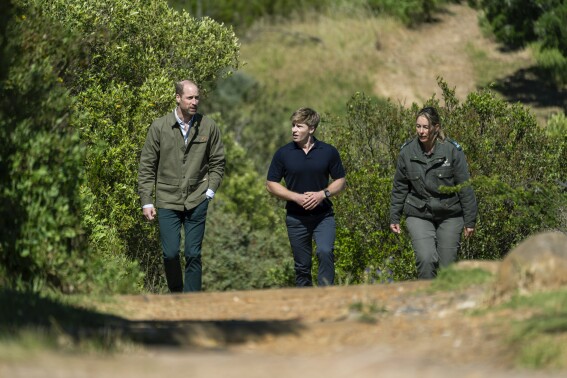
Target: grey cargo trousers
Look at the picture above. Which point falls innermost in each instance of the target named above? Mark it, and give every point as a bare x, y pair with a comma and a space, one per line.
436, 243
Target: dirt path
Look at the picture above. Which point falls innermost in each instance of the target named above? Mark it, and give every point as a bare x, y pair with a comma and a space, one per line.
395, 330
414, 58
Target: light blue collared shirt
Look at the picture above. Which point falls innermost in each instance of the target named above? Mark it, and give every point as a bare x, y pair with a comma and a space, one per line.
182, 125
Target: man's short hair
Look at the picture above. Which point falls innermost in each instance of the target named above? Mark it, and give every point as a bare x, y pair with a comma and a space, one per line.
307, 116
181, 84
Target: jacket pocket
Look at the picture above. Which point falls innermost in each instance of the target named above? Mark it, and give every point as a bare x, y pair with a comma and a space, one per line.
414, 207
193, 184
415, 181
199, 144
444, 176
446, 207
168, 181
168, 190
415, 202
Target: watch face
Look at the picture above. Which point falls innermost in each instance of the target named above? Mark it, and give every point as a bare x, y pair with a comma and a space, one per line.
327, 193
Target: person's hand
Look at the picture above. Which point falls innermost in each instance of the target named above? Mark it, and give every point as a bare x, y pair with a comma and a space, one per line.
299, 199
313, 199
149, 213
395, 228
469, 231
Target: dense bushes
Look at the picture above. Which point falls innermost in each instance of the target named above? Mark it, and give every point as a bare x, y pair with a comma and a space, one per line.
242, 14
516, 169
43, 244
40, 158
410, 12
518, 23
258, 119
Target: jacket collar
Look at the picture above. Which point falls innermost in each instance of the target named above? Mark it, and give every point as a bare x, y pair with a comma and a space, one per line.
172, 119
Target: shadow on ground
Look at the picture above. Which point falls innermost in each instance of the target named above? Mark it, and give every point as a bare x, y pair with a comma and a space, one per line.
29, 311
533, 87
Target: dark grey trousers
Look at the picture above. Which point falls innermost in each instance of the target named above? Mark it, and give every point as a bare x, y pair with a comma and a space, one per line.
302, 230
436, 244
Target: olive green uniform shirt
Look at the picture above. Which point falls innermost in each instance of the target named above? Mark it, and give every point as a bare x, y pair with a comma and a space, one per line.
180, 174
418, 178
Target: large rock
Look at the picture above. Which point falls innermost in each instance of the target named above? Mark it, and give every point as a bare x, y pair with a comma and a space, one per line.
538, 263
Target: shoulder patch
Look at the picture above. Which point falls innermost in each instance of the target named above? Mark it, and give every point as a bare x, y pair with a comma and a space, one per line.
405, 143
455, 143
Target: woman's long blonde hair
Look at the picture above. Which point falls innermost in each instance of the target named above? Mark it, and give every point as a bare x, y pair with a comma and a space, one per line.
432, 116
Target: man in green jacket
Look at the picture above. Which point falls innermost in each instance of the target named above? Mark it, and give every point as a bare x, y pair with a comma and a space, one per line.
183, 159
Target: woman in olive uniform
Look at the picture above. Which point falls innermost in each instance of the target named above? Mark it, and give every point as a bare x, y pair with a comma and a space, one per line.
435, 220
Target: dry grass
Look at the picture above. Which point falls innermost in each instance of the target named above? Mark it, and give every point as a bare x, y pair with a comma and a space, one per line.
318, 63
321, 61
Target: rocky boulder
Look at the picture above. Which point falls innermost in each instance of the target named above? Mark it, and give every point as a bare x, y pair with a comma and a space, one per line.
538, 263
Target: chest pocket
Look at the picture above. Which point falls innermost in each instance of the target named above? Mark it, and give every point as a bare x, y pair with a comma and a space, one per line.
416, 182
199, 143
444, 176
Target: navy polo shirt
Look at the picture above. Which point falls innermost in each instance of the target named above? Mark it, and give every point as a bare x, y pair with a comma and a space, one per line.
306, 172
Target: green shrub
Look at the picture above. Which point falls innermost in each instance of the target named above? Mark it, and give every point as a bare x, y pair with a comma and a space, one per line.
518, 23
410, 12
42, 245
237, 256
557, 125
258, 120
550, 27
553, 62
512, 21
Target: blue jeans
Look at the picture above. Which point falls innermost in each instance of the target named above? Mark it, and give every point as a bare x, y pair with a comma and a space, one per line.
193, 222
436, 243
301, 231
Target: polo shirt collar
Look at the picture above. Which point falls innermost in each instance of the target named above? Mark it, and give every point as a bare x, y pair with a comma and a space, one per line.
294, 145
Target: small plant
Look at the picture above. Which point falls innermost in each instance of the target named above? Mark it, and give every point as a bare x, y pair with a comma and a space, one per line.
366, 312
557, 125
380, 274
450, 279
543, 352
540, 340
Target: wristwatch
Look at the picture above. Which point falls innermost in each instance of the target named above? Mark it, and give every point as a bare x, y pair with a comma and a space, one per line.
327, 193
